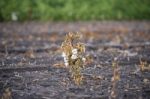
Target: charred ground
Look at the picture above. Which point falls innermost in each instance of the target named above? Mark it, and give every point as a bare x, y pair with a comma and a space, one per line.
30, 57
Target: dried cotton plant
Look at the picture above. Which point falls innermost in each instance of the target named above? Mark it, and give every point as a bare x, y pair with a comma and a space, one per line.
115, 79
72, 52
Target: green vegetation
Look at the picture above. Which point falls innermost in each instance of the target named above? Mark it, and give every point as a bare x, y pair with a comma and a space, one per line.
72, 10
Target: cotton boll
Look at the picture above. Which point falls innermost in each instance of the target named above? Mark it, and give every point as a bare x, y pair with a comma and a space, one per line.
74, 56
66, 64
83, 59
63, 54
74, 51
65, 60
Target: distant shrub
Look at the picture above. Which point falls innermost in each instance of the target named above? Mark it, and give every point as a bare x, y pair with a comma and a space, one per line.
72, 10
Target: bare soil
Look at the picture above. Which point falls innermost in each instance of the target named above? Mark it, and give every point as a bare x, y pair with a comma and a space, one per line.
30, 56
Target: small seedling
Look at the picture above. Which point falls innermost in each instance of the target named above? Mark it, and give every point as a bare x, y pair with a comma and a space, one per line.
115, 79
30, 53
72, 52
7, 94
144, 65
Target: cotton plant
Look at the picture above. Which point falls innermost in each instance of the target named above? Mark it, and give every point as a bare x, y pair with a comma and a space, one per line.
73, 54
115, 79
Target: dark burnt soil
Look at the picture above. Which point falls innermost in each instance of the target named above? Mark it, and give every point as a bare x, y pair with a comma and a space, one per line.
30, 57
